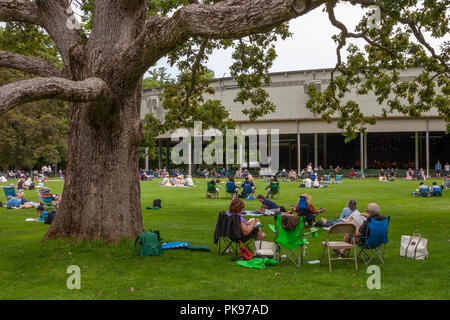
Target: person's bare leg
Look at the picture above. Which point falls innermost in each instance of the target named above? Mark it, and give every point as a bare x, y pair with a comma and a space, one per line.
261, 235
347, 239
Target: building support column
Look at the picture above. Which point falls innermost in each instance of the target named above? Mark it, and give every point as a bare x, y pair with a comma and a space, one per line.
315, 151
146, 159
428, 150
190, 158
299, 169
365, 150
160, 155
324, 151
416, 138
167, 155
361, 149
290, 153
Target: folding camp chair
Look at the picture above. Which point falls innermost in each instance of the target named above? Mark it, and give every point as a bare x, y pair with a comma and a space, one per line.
289, 242
247, 188
230, 188
327, 178
274, 189
9, 191
211, 188
228, 232
303, 210
46, 198
375, 244
447, 182
338, 178
340, 228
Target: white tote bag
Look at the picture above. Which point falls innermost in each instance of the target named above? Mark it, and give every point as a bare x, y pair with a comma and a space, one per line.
265, 249
414, 247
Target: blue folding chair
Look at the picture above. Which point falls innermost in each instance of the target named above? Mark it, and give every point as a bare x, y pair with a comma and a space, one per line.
375, 244
247, 188
447, 182
327, 178
9, 191
338, 178
303, 210
230, 188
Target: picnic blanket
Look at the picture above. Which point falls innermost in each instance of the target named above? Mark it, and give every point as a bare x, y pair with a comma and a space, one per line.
256, 213
257, 263
183, 245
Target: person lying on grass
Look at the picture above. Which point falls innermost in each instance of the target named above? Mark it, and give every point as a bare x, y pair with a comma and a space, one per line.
267, 204
248, 229
372, 212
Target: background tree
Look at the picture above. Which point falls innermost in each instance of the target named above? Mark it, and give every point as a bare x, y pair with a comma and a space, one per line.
36, 133
104, 62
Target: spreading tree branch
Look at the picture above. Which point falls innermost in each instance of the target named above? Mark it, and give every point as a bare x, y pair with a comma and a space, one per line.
231, 19
91, 89
28, 64
20, 10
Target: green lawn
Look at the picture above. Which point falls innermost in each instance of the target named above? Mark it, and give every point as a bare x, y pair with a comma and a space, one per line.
31, 269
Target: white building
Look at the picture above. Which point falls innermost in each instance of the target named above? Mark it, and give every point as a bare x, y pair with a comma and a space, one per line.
397, 140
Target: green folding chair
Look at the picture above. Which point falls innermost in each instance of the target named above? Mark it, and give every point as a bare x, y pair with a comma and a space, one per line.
289, 242
274, 189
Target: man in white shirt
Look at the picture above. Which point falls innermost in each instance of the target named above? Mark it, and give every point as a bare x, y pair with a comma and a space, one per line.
188, 181
307, 182
316, 183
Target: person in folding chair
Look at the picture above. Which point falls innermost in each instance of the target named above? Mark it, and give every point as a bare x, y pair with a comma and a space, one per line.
305, 208
231, 188
374, 245
363, 233
289, 238
248, 188
232, 229
212, 190
273, 188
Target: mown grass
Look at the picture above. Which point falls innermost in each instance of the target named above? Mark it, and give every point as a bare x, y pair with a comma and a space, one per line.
31, 269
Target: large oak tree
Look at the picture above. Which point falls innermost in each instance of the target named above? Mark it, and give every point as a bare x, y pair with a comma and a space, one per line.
103, 66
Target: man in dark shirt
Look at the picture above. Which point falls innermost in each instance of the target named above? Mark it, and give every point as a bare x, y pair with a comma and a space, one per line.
373, 212
268, 204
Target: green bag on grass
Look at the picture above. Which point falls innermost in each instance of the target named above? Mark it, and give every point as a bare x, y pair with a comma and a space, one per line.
256, 263
149, 244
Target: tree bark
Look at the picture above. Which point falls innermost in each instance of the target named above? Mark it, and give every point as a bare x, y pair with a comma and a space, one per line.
101, 197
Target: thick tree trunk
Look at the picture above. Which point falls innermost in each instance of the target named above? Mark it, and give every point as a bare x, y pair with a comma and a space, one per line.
101, 198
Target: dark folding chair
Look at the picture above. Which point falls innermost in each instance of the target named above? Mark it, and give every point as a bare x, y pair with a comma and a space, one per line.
228, 232
374, 246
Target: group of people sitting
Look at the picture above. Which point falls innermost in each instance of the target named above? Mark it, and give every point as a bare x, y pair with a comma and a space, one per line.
425, 191
388, 175
248, 187
349, 214
415, 174
19, 202
159, 173
177, 181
